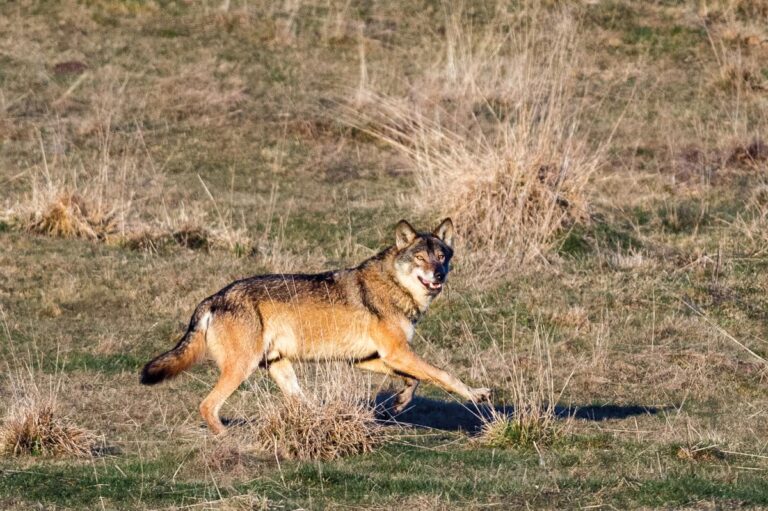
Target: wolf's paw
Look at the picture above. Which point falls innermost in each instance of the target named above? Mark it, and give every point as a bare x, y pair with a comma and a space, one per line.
480, 395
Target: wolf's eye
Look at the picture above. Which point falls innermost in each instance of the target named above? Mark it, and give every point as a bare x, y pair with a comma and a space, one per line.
441, 257
419, 258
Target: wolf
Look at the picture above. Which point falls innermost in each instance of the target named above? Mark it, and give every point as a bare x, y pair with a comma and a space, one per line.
365, 315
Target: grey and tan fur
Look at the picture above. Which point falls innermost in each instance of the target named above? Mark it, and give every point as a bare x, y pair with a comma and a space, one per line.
365, 314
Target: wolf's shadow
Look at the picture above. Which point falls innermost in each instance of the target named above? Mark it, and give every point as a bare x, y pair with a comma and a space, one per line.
455, 416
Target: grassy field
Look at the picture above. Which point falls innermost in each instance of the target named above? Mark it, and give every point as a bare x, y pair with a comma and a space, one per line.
606, 165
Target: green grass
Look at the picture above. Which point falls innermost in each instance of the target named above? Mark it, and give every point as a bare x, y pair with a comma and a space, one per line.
398, 472
688, 489
125, 485
107, 364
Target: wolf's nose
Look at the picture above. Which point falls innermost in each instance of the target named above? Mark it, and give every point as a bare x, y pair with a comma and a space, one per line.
439, 275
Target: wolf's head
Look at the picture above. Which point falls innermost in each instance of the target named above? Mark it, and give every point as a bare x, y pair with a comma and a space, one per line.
422, 259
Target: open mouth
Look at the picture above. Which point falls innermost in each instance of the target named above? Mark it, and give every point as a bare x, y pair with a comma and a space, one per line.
431, 286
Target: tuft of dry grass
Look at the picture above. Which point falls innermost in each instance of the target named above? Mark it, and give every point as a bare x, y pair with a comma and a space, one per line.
85, 196
705, 453
32, 424
332, 419
314, 430
70, 216
530, 394
34, 428
493, 134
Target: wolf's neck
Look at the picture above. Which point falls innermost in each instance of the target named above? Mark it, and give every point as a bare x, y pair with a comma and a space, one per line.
406, 302
401, 300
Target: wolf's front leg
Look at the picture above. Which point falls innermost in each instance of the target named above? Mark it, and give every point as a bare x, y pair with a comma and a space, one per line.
395, 352
403, 360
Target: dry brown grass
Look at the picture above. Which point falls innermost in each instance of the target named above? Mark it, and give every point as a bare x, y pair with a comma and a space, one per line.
738, 39
333, 419
483, 117
192, 91
753, 226
35, 428
68, 216
33, 424
86, 195
313, 429
492, 132
95, 198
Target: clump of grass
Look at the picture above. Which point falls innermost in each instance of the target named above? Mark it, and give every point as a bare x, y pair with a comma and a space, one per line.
80, 195
32, 424
70, 216
525, 429
187, 236
312, 429
332, 419
705, 453
34, 428
501, 150
192, 237
529, 419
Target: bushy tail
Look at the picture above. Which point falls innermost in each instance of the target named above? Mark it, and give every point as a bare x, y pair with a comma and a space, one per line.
187, 351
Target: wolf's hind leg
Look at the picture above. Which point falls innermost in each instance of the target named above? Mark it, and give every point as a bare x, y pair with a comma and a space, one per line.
236, 346
402, 398
231, 378
405, 396
284, 376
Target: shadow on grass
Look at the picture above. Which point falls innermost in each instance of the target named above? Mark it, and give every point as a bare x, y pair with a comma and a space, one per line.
455, 416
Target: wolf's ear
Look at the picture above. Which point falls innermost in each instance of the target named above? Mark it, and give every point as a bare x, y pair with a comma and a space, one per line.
444, 231
404, 234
